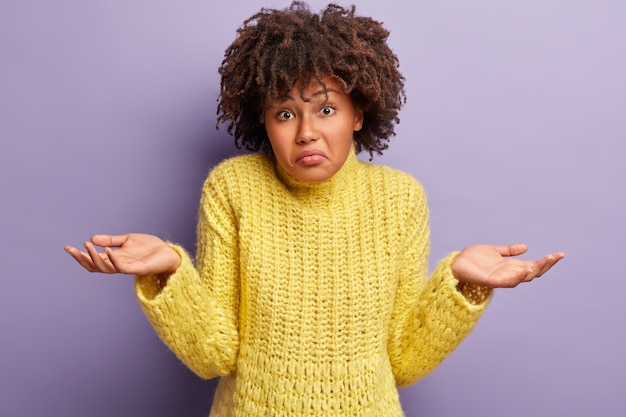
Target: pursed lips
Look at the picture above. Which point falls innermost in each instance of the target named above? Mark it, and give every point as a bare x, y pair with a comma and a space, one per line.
310, 152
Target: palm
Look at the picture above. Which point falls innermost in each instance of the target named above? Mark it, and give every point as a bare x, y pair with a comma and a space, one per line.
135, 253
494, 266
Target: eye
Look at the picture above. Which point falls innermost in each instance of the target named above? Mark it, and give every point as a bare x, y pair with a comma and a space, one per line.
284, 115
327, 110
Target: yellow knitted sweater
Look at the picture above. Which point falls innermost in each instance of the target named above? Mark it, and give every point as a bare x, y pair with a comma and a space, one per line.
309, 299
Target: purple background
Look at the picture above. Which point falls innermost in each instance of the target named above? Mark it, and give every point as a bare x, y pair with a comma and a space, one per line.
515, 125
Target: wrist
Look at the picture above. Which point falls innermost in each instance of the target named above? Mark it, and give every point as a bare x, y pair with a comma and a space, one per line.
474, 293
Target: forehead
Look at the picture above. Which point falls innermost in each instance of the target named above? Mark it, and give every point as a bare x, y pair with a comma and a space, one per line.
313, 90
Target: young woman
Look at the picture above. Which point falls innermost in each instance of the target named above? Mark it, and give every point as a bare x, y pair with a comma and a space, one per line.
309, 294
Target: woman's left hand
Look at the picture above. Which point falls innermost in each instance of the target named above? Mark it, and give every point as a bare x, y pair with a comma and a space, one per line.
493, 266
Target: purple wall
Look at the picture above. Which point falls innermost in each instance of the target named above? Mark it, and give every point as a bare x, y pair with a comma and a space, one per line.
515, 125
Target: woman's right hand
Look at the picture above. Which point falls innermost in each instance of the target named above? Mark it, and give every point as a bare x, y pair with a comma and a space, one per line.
135, 253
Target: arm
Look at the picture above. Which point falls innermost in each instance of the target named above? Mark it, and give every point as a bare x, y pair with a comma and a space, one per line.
434, 327
196, 313
431, 317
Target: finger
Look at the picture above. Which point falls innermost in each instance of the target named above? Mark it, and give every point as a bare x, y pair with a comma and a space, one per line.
512, 250
528, 271
548, 262
100, 261
117, 264
82, 258
543, 265
109, 240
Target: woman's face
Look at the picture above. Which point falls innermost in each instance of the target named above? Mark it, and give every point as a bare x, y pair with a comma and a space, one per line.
312, 139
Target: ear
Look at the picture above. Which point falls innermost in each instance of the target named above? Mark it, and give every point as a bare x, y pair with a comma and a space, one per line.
358, 119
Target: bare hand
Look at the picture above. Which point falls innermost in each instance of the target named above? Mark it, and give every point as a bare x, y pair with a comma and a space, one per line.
492, 266
137, 254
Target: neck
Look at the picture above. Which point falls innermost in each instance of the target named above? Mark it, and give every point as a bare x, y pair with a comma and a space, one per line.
320, 191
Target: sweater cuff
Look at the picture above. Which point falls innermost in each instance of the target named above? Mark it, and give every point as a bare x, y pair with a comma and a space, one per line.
148, 287
473, 294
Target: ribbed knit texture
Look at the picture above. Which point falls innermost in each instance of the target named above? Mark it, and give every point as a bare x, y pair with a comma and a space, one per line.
309, 299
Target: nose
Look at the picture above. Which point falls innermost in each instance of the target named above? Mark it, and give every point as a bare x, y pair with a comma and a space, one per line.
307, 130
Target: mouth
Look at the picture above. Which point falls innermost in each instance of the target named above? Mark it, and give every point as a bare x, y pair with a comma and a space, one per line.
311, 157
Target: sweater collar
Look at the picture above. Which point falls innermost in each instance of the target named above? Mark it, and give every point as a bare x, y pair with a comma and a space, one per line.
322, 191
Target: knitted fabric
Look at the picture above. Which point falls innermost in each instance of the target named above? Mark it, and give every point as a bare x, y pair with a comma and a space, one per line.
309, 299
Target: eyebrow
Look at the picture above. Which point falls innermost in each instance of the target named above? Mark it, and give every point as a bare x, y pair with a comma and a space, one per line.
288, 97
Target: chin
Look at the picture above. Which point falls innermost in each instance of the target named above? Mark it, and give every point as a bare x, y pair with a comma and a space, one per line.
314, 178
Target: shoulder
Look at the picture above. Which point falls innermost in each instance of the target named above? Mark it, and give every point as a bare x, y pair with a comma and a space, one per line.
404, 198
236, 177
393, 180
398, 191
243, 165
236, 180
248, 168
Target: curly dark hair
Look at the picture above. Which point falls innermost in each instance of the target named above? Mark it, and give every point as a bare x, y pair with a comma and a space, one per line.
275, 49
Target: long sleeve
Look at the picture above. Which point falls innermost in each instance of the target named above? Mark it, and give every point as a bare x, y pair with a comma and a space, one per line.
196, 314
309, 299
431, 317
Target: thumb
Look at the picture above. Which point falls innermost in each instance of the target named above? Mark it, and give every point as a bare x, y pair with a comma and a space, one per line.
512, 250
109, 240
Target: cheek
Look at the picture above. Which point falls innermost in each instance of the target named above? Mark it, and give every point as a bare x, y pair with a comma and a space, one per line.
343, 135
279, 146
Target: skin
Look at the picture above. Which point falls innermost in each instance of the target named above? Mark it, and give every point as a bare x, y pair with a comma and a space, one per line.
311, 141
494, 266
135, 254
142, 254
